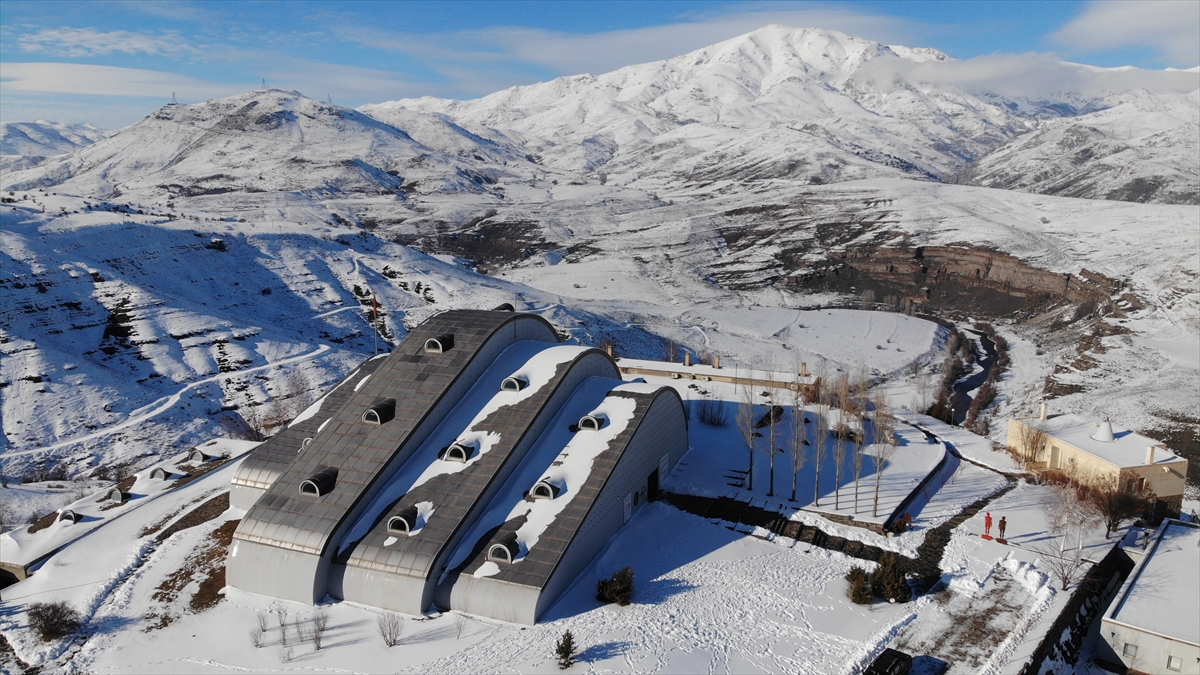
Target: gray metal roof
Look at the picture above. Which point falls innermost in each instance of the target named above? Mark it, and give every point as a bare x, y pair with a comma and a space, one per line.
538, 565
364, 453
266, 462
457, 497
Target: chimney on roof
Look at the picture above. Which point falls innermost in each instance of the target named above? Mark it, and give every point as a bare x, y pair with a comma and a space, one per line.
1149, 454
1045, 413
1105, 433
717, 361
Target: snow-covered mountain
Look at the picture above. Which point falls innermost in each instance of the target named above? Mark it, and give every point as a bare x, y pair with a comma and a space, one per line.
776, 103
1145, 148
45, 139
267, 141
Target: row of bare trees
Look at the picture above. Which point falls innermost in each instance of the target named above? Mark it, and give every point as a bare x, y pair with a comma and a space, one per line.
849, 398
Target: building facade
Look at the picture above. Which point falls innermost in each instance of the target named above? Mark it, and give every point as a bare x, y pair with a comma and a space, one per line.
478, 465
1076, 446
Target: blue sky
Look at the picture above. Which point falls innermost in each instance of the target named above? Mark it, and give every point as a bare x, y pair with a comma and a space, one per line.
112, 63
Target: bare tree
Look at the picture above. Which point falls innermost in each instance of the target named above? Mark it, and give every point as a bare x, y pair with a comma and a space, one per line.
1117, 502
1033, 438
1064, 561
281, 613
859, 420
885, 442
320, 622
460, 622
745, 424
842, 392
772, 394
391, 627
796, 441
820, 435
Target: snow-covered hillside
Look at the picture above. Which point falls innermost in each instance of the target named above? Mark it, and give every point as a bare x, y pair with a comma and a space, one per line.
264, 141
1146, 148
45, 139
27, 144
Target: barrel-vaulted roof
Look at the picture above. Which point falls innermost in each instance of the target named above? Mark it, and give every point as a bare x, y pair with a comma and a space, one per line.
453, 496
361, 452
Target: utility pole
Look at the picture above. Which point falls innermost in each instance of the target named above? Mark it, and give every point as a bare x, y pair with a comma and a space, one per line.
264, 82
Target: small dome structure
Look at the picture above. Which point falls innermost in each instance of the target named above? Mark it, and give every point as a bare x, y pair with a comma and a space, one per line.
196, 455
159, 473
69, 516
404, 522
1105, 433
458, 452
380, 413
593, 422
505, 550
320, 483
514, 384
545, 489
439, 345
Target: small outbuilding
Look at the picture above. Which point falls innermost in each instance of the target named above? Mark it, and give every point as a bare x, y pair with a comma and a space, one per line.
1152, 625
159, 473
69, 516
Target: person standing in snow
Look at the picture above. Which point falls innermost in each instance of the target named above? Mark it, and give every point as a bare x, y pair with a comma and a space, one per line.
1003, 524
987, 524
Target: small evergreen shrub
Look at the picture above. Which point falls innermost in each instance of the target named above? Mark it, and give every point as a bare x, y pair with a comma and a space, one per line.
860, 590
618, 588
565, 650
53, 620
888, 581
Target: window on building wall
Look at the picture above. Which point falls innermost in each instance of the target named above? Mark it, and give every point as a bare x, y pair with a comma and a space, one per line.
1174, 663
1130, 650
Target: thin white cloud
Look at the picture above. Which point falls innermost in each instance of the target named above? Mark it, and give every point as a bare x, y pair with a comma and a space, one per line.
513, 52
1169, 27
85, 79
85, 42
1030, 76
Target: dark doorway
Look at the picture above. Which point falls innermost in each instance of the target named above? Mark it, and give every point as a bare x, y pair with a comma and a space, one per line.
652, 486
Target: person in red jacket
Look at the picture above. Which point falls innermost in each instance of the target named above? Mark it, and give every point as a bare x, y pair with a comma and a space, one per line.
987, 524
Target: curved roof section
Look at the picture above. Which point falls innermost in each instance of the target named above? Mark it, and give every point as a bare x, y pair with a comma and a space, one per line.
362, 452
264, 464
455, 496
544, 529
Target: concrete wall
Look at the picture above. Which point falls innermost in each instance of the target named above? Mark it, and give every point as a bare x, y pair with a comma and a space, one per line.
276, 572
243, 496
1152, 650
663, 431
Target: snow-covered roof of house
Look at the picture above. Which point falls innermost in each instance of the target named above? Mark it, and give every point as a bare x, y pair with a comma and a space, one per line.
1161, 595
1125, 450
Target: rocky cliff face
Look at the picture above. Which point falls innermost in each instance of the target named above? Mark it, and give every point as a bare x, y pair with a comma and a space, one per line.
963, 278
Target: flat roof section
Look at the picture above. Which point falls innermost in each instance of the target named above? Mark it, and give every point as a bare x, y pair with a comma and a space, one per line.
361, 452
264, 465
1127, 448
1162, 595
450, 497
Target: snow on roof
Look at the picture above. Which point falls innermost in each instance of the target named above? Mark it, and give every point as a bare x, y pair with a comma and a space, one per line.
1162, 595
1126, 449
